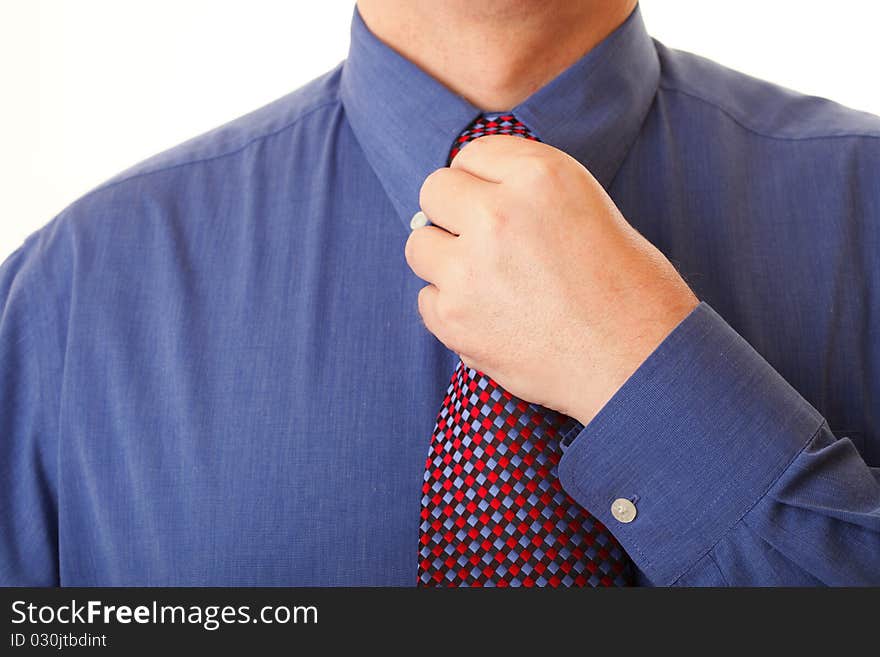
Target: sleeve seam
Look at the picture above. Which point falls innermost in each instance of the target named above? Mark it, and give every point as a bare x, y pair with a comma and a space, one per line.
765, 135
115, 182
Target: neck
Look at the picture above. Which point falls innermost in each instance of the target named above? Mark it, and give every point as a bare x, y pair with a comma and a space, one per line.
494, 53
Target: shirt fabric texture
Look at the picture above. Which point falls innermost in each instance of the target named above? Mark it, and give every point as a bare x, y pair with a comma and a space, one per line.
214, 372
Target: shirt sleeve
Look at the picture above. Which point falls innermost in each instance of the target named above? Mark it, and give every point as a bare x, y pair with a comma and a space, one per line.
735, 478
28, 428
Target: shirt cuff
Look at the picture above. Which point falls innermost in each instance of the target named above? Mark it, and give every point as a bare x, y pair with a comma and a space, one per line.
693, 439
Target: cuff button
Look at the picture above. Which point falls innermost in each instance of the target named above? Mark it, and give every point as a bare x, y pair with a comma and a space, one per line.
623, 510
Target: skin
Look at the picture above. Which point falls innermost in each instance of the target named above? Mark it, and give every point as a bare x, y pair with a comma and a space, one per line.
536, 279
485, 50
534, 276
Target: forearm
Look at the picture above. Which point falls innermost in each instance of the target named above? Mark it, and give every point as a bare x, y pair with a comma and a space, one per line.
736, 479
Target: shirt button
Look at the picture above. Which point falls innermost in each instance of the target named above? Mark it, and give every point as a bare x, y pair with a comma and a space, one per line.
419, 220
623, 510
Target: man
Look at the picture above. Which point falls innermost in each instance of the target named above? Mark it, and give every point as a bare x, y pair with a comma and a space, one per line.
662, 278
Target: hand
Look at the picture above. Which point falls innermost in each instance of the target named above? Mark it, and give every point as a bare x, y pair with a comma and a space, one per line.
536, 279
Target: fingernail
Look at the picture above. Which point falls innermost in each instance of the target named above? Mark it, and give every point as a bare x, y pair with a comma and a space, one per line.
419, 220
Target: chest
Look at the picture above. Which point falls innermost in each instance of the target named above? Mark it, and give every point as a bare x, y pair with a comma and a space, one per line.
261, 423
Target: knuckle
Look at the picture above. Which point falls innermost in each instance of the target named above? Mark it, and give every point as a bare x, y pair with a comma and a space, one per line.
459, 274
539, 168
448, 315
444, 312
497, 218
469, 147
430, 185
409, 248
422, 300
438, 316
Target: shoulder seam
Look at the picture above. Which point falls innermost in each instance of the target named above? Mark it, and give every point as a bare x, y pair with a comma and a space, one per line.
740, 123
211, 158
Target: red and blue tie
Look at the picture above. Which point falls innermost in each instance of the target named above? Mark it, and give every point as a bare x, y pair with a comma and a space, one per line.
493, 509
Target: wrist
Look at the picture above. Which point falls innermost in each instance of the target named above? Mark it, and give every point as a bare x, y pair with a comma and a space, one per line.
624, 353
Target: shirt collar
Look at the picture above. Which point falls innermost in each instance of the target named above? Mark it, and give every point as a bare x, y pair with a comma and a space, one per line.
406, 121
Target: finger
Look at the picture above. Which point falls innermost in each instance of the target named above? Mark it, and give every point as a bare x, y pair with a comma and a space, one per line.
470, 363
429, 298
497, 158
449, 196
428, 252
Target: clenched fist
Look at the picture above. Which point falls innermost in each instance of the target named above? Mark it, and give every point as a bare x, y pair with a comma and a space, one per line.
536, 279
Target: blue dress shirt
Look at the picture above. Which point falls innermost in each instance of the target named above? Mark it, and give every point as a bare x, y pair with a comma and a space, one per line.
214, 372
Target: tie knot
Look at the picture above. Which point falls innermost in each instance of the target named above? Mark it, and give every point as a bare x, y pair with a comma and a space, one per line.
491, 124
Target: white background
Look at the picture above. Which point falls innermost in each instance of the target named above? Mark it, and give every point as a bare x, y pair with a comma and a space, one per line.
90, 87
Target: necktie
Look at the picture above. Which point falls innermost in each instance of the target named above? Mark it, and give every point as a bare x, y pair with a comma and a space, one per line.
493, 510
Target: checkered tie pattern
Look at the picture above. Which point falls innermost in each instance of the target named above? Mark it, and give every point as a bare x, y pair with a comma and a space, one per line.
493, 509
